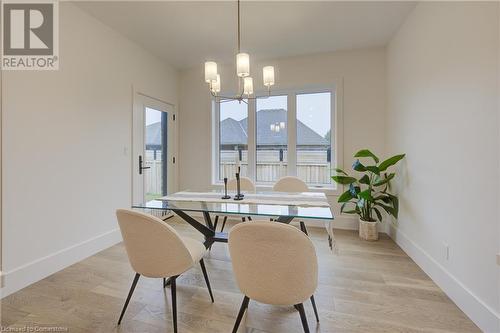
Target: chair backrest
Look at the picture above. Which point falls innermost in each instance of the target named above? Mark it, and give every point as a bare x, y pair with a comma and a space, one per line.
290, 184
246, 184
154, 248
274, 263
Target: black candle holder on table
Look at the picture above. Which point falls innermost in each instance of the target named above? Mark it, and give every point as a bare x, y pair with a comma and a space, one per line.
239, 195
225, 190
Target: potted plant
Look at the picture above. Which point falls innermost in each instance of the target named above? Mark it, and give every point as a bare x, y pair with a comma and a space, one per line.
369, 195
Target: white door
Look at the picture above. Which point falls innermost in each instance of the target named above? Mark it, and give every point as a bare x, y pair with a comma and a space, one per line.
153, 148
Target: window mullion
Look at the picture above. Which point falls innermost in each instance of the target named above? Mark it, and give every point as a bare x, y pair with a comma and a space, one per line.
252, 150
292, 135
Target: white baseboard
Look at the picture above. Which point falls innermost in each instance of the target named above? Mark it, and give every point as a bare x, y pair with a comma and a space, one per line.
480, 313
39, 269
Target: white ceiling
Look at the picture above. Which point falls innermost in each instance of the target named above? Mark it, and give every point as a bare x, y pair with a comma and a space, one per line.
185, 34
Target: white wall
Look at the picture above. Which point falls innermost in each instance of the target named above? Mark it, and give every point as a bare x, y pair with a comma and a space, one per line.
67, 141
363, 74
1, 193
498, 120
443, 112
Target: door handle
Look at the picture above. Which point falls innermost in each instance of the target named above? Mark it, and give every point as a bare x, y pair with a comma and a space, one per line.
140, 165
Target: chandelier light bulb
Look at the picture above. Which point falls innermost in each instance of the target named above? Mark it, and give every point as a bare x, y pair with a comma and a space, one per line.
273, 127
248, 86
210, 71
282, 125
268, 75
242, 64
216, 85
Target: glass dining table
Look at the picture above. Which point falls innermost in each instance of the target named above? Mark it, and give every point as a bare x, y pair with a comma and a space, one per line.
281, 207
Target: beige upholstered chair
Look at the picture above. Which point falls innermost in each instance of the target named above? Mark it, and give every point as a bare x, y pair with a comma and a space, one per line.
290, 184
274, 263
246, 185
156, 250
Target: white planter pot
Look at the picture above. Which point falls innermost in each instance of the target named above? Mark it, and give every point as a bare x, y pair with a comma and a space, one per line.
368, 230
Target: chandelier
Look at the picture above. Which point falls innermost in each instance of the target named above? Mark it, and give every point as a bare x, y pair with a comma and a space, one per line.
242, 73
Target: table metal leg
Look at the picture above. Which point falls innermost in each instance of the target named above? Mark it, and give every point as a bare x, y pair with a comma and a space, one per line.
216, 221
289, 219
303, 228
284, 219
208, 220
206, 229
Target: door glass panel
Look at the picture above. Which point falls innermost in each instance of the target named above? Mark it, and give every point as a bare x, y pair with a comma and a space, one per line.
272, 138
155, 153
314, 155
233, 139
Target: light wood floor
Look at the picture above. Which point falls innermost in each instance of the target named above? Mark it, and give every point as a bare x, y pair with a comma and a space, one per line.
368, 287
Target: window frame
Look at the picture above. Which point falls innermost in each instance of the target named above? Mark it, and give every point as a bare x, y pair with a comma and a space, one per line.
336, 132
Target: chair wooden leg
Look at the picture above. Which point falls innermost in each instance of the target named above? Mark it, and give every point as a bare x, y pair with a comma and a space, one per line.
173, 288
215, 222
244, 306
134, 283
303, 317
223, 224
205, 275
314, 308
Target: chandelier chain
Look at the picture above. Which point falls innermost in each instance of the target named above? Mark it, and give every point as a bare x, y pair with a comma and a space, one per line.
239, 33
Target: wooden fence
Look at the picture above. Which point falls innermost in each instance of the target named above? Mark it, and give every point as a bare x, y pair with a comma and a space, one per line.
153, 177
312, 167
270, 172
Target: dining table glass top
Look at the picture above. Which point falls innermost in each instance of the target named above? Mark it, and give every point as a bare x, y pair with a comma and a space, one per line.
306, 205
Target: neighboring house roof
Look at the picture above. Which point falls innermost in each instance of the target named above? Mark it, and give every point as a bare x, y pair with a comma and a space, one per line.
153, 134
235, 132
232, 134
306, 136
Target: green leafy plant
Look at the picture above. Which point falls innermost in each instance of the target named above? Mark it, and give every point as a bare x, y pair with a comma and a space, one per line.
369, 195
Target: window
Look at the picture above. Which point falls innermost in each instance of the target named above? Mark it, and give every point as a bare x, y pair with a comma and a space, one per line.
314, 154
271, 138
155, 153
233, 139
292, 134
